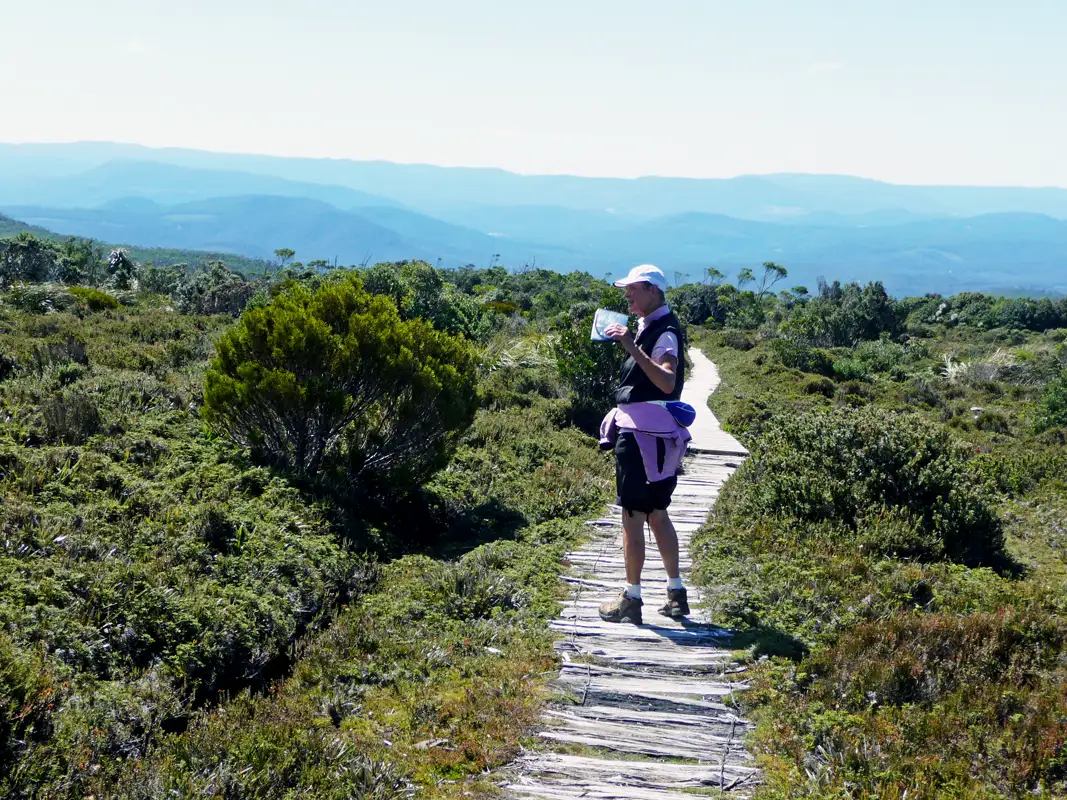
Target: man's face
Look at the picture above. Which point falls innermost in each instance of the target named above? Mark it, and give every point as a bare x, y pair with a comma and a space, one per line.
641, 298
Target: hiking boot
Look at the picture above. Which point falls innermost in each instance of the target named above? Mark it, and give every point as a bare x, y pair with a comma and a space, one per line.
623, 609
677, 605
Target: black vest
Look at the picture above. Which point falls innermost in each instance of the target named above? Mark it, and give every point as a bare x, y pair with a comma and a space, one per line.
634, 385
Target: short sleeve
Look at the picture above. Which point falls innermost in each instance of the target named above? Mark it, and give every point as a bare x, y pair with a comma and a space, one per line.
666, 345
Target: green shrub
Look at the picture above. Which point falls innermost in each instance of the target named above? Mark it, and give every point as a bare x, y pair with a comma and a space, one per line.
881, 355
1018, 470
841, 466
28, 686
855, 394
898, 707
821, 386
254, 750
71, 417
851, 369
335, 378
58, 351
924, 390
95, 299
1052, 409
737, 340
514, 469
591, 371
841, 316
993, 421
26, 259
39, 298
8, 366
802, 357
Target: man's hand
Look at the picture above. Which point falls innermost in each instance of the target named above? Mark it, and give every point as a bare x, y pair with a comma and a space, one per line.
621, 334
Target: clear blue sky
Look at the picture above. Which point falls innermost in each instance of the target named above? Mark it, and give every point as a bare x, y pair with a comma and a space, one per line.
910, 91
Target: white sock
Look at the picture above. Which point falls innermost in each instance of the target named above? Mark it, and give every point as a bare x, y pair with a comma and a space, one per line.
633, 590
675, 583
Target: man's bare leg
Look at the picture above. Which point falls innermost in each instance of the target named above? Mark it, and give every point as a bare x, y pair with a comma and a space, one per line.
627, 607
633, 545
666, 540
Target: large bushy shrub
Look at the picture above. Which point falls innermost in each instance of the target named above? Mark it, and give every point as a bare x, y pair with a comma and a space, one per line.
802, 357
336, 378
851, 466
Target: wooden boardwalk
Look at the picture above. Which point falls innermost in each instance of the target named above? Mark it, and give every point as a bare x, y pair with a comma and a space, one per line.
646, 717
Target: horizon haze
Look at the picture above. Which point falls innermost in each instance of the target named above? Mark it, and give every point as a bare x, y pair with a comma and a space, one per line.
918, 93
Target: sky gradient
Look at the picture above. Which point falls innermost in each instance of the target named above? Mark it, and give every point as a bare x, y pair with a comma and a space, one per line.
938, 91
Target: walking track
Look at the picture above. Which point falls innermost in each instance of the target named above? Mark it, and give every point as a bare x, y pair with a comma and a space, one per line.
647, 718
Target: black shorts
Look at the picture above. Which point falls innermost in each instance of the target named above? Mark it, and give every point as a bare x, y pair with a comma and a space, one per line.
634, 491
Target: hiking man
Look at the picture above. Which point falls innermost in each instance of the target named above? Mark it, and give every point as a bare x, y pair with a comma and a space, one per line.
648, 441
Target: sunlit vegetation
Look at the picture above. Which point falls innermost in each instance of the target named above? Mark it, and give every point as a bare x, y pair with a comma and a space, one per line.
225, 571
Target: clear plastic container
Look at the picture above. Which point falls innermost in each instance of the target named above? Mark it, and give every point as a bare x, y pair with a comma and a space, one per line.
601, 319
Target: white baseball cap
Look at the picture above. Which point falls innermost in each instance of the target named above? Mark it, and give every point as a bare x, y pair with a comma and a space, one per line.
645, 272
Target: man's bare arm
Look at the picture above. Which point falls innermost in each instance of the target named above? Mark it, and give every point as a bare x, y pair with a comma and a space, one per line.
662, 373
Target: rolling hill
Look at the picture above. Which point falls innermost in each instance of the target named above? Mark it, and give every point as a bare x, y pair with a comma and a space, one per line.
166, 184
156, 255
917, 239
431, 188
257, 225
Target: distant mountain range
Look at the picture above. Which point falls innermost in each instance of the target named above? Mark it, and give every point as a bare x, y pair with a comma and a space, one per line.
915, 238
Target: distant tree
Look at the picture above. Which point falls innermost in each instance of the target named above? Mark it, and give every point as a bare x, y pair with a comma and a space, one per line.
772, 273
26, 259
698, 304
121, 270
214, 289
334, 379
80, 261
713, 276
284, 256
420, 291
161, 280
745, 276
842, 316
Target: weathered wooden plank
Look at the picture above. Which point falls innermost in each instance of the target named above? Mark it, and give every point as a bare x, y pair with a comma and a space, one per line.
652, 684
649, 632
641, 718
590, 791
660, 775
670, 747
708, 743
688, 659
